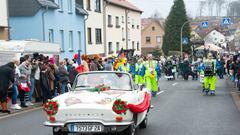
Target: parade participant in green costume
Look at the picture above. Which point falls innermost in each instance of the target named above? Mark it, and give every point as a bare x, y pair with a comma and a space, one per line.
151, 75
139, 72
210, 74
125, 67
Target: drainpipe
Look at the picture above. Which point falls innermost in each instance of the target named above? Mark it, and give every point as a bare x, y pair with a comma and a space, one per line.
126, 18
7, 2
85, 42
105, 27
43, 22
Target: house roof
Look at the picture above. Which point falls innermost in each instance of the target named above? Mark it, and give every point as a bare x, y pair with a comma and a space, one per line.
125, 4
29, 7
48, 3
147, 22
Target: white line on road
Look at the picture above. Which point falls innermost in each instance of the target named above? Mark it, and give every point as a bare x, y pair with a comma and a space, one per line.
174, 84
160, 92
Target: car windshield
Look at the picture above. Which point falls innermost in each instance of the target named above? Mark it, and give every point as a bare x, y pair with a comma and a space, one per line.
116, 81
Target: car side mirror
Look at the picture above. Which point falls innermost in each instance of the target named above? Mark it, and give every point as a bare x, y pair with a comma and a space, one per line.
69, 87
136, 87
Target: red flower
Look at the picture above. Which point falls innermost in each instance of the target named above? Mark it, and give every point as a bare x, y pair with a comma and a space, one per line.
52, 119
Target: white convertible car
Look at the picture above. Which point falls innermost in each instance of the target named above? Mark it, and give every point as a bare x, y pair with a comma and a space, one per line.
100, 102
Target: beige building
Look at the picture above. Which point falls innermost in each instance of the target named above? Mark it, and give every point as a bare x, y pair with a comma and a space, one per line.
3, 20
112, 25
123, 26
152, 36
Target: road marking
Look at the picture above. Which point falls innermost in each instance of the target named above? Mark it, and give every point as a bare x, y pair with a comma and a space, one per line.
174, 84
18, 113
160, 92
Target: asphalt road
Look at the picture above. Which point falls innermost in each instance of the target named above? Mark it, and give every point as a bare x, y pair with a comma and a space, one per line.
180, 110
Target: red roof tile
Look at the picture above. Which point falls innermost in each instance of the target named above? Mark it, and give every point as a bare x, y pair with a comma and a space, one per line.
126, 4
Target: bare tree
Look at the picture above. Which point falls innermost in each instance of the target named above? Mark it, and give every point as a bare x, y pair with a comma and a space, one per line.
210, 4
219, 4
202, 6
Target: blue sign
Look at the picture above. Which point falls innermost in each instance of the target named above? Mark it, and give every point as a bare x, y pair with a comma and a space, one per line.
205, 24
226, 21
185, 40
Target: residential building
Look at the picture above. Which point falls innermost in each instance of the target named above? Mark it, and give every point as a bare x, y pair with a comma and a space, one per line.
4, 20
152, 36
58, 21
216, 38
123, 26
94, 27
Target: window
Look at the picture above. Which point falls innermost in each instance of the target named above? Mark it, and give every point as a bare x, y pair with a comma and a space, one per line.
79, 40
110, 21
89, 5
62, 39
98, 36
70, 6
123, 35
153, 28
133, 23
158, 39
70, 40
89, 35
117, 22
122, 19
79, 3
137, 26
97, 5
117, 47
110, 49
50, 36
133, 45
138, 47
148, 39
60, 4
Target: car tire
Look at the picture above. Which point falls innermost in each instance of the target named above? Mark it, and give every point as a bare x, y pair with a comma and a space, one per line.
59, 132
144, 123
130, 130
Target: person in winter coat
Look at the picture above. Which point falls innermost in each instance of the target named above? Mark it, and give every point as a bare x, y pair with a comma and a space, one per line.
63, 76
6, 81
24, 79
44, 79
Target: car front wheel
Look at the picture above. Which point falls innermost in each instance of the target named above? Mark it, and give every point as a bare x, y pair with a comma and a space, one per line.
144, 123
57, 131
130, 130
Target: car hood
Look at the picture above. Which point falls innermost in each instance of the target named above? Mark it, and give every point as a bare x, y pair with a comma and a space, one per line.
87, 99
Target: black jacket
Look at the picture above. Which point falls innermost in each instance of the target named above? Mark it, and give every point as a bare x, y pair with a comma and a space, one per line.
6, 76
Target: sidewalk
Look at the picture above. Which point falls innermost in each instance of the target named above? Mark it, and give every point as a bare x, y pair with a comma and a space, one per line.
23, 110
234, 93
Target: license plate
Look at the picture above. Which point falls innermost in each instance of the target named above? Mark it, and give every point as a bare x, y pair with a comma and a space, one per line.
85, 128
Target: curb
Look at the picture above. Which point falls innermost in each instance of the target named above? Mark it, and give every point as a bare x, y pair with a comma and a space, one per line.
20, 112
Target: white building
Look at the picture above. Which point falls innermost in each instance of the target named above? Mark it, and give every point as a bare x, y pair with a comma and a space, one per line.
3, 20
216, 38
94, 27
123, 26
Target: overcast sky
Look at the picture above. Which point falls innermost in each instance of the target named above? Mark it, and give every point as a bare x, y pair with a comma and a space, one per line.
164, 6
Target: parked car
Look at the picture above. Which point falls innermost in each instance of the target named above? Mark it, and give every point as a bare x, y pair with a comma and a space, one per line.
100, 102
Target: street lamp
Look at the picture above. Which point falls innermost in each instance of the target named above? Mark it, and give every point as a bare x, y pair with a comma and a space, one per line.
181, 38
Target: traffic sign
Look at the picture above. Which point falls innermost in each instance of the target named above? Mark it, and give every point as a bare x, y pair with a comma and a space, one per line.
205, 24
185, 40
226, 21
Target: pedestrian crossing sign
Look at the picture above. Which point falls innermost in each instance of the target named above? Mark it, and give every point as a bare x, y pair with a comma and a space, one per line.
226, 21
205, 24
185, 41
